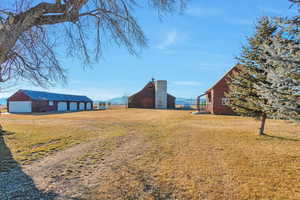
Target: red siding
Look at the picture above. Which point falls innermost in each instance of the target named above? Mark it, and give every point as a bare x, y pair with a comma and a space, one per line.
39, 105
216, 107
146, 98
216, 93
171, 102
19, 96
143, 99
43, 106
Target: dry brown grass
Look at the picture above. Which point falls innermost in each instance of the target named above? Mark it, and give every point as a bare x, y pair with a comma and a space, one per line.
3, 109
176, 155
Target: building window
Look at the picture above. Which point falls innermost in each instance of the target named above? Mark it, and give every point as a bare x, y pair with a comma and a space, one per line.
225, 101
51, 103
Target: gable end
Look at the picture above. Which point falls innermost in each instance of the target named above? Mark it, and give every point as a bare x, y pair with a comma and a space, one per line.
19, 96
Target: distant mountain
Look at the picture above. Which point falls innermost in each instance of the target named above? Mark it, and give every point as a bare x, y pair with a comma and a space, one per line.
120, 100
114, 101
185, 101
117, 100
179, 101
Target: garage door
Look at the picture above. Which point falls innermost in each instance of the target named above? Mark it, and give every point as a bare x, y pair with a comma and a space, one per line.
62, 106
73, 106
81, 106
88, 106
20, 106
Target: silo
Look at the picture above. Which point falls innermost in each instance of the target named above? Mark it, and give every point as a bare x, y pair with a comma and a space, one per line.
161, 94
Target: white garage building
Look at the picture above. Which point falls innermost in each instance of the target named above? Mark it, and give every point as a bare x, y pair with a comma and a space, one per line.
26, 101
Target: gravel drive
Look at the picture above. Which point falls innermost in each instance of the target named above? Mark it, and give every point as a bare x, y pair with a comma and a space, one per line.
67, 174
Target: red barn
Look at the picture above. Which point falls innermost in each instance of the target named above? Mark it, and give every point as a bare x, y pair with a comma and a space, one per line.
216, 102
26, 101
154, 93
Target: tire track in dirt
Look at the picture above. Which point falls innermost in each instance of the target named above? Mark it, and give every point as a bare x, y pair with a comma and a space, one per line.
70, 173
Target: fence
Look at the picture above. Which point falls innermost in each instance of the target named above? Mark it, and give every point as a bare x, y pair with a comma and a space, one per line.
191, 104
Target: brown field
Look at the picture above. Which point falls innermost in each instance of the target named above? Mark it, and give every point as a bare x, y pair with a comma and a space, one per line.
152, 154
3, 109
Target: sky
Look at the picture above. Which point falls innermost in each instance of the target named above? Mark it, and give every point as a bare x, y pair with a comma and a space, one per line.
191, 50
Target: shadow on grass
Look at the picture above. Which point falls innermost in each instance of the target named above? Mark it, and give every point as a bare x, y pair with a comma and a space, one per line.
267, 136
14, 183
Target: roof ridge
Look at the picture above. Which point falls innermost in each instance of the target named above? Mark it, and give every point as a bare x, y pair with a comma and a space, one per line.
52, 93
222, 77
54, 96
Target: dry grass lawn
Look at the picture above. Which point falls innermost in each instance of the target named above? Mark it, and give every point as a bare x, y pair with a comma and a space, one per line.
166, 154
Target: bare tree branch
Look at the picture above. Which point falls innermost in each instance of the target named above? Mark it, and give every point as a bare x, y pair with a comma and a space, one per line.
31, 34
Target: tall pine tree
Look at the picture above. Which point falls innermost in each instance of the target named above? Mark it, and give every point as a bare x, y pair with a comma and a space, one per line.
244, 97
282, 88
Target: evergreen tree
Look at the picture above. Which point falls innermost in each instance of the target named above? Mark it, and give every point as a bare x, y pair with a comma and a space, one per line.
282, 88
243, 94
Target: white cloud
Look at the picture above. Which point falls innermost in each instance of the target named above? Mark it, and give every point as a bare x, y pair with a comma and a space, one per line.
186, 83
283, 11
268, 10
216, 12
204, 12
170, 39
239, 21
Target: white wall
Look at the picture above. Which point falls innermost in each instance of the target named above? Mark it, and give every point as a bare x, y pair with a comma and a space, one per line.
73, 106
20, 106
161, 94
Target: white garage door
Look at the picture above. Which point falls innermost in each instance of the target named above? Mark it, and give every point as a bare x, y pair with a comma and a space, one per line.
81, 106
62, 106
20, 106
88, 106
73, 106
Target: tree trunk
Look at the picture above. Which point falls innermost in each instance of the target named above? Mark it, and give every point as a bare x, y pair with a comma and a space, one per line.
261, 130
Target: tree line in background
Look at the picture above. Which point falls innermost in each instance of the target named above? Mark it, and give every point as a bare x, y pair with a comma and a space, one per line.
266, 83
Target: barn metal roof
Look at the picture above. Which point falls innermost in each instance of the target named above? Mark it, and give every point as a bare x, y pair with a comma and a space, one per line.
38, 95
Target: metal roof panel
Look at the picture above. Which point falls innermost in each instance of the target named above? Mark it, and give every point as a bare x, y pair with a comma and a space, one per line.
39, 95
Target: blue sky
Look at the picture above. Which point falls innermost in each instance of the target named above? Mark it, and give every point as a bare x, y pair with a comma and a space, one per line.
190, 50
